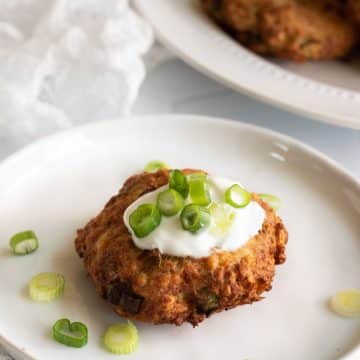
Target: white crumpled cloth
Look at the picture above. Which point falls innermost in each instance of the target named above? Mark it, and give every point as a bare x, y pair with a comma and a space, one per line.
65, 62
4, 356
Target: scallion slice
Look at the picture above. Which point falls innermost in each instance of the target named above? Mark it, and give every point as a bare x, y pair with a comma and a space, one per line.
223, 217
199, 189
194, 218
237, 197
46, 287
145, 219
154, 166
121, 339
70, 334
178, 182
24, 242
271, 200
347, 303
169, 202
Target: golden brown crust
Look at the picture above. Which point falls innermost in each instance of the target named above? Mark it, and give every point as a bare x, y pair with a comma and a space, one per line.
298, 30
241, 19
150, 287
353, 10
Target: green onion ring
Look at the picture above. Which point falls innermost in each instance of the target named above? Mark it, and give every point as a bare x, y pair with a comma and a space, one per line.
178, 182
24, 242
144, 220
237, 197
222, 218
121, 339
46, 287
194, 218
169, 202
154, 166
199, 189
346, 303
70, 334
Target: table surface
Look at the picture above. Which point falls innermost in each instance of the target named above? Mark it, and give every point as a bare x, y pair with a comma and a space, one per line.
174, 87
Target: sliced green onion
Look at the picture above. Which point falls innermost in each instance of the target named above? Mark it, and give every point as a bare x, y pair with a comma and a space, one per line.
271, 200
145, 219
194, 217
70, 334
24, 242
46, 287
170, 202
178, 182
199, 189
223, 217
154, 166
347, 303
237, 197
121, 339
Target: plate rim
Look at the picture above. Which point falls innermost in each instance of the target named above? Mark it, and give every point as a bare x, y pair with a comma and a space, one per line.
343, 120
187, 117
299, 145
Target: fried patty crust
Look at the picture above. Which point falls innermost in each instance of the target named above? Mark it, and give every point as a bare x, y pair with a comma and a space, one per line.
353, 8
297, 30
303, 32
148, 286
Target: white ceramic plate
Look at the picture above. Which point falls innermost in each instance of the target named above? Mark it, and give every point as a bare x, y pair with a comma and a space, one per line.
327, 91
56, 185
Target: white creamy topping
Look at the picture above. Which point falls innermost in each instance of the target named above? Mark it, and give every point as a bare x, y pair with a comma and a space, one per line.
171, 239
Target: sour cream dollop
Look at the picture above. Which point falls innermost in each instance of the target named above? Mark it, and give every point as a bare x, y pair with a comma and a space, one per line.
171, 239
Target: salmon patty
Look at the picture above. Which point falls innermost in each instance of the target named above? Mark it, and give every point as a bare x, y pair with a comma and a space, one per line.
354, 10
297, 30
148, 286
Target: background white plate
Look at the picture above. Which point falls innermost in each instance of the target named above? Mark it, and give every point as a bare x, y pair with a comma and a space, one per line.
327, 91
56, 185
